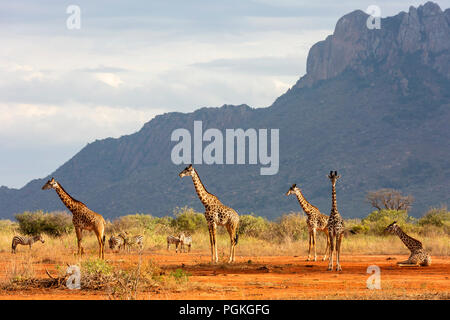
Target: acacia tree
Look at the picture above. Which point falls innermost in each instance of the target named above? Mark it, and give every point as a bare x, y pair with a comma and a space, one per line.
389, 199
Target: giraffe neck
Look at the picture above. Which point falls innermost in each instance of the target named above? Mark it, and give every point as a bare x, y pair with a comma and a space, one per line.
68, 201
334, 209
306, 206
411, 243
204, 196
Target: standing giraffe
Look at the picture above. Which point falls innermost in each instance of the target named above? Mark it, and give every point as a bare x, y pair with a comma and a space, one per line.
418, 255
83, 218
315, 221
335, 225
216, 214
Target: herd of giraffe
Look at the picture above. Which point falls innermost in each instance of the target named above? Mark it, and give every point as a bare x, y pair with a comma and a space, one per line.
218, 214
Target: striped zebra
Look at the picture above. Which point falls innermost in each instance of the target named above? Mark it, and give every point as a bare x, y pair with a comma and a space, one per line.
132, 241
173, 240
24, 241
116, 242
187, 240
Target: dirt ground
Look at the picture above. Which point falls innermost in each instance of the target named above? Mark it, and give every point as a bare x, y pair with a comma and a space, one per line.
266, 277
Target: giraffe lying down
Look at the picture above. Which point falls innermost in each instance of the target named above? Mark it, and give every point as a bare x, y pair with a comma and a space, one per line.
418, 257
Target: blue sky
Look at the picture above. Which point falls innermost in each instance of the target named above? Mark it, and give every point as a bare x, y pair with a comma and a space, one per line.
132, 60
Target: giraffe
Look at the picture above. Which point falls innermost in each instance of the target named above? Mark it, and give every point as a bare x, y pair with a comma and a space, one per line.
82, 217
216, 214
418, 255
335, 225
315, 221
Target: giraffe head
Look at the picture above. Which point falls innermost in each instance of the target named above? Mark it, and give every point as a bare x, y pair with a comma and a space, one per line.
51, 184
293, 189
188, 171
391, 228
333, 176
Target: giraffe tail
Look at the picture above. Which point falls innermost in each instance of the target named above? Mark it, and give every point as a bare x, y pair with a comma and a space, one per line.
236, 238
104, 239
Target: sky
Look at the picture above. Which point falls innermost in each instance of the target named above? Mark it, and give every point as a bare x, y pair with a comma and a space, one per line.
62, 88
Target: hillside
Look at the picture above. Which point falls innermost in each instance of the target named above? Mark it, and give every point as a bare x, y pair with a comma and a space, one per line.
374, 105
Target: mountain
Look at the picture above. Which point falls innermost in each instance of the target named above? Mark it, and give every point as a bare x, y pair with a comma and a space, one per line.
374, 105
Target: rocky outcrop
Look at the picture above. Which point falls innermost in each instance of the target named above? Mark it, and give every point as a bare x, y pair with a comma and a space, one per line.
424, 31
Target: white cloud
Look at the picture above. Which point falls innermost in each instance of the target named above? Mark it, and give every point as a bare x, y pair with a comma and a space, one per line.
51, 125
110, 79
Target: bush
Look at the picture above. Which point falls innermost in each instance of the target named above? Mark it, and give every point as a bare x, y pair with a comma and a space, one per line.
292, 225
438, 217
133, 221
53, 224
254, 226
378, 220
186, 219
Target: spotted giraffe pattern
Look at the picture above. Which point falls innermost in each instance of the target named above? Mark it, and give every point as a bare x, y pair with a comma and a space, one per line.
418, 255
83, 218
216, 214
335, 225
316, 221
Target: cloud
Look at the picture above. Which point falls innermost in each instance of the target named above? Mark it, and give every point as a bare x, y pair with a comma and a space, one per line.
276, 66
110, 79
52, 125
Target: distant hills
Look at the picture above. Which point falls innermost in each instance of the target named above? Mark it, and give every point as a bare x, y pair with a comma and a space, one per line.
374, 105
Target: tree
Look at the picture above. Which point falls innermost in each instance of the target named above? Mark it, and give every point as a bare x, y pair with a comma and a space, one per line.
389, 199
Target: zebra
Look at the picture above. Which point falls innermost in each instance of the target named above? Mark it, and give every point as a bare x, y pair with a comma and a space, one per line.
173, 240
186, 240
116, 241
24, 241
131, 241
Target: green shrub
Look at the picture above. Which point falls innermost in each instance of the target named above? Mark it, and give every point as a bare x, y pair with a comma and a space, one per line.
360, 228
254, 226
134, 221
438, 217
53, 224
186, 219
180, 275
292, 225
378, 220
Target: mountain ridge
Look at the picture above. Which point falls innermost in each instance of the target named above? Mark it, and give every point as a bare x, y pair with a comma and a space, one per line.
378, 121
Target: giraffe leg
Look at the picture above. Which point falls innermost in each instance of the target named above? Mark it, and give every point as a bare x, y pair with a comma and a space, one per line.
216, 258
328, 246
100, 245
212, 240
338, 251
79, 233
232, 232
330, 263
309, 250
314, 244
